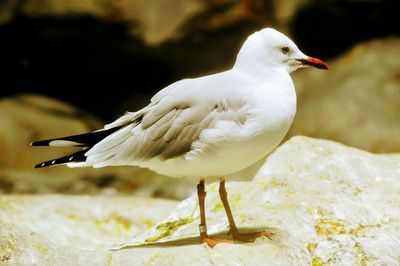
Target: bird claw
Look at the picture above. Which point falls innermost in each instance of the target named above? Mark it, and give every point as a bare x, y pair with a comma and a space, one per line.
246, 237
214, 241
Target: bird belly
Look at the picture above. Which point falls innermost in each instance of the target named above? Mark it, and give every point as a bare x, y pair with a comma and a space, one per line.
225, 158
231, 147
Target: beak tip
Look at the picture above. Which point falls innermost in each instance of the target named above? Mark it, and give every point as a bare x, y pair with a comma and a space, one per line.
311, 61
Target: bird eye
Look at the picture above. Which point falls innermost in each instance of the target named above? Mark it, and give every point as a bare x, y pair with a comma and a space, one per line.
285, 50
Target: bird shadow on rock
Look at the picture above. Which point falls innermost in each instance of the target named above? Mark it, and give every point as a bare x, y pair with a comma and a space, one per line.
196, 240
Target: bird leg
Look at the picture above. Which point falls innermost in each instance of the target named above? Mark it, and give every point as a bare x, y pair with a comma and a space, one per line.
248, 237
201, 193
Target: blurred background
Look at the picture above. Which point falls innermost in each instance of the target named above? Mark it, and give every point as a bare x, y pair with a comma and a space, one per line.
68, 66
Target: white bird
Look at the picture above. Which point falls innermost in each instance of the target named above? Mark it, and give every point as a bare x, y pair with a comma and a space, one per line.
205, 127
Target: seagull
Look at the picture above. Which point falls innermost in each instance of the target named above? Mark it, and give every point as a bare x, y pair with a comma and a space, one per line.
206, 127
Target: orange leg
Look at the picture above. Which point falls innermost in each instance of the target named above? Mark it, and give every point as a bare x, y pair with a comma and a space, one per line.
249, 237
203, 227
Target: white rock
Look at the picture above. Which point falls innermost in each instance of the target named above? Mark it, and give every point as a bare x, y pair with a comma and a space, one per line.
73, 220
326, 203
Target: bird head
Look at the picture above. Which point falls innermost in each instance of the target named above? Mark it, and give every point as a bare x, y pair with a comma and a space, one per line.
274, 49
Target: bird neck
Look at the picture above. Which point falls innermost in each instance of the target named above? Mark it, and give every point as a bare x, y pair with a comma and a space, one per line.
259, 70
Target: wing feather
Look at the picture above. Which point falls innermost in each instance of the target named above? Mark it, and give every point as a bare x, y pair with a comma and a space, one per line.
171, 126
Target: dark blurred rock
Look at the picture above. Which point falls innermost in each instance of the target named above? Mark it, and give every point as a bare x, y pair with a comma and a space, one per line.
327, 28
121, 53
357, 101
27, 118
93, 65
285, 10
7, 10
156, 20
98, 66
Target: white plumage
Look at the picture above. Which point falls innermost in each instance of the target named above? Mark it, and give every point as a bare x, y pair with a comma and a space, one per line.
210, 126
214, 125
205, 127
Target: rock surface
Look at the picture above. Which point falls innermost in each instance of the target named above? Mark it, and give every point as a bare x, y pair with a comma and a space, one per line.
74, 219
325, 202
357, 102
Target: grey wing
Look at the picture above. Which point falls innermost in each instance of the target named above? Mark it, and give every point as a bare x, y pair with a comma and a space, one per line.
169, 126
164, 130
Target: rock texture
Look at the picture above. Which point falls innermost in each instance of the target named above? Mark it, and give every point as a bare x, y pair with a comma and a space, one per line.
75, 219
357, 102
328, 204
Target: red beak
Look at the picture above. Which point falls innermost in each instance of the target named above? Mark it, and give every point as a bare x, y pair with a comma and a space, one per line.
311, 61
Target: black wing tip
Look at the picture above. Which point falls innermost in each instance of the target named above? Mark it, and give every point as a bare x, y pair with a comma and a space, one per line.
78, 156
47, 163
82, 140
41, 165
40, 143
